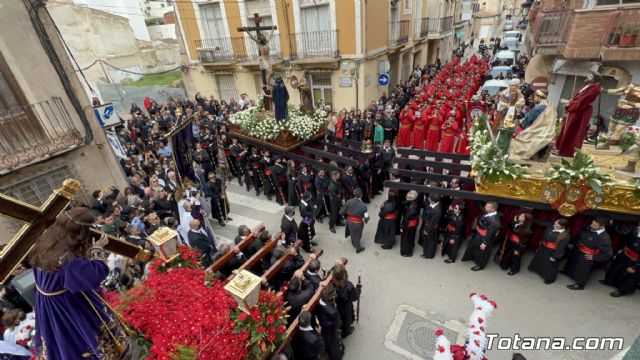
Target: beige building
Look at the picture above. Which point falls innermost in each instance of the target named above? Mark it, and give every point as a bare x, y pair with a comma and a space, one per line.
345, 45
48, 131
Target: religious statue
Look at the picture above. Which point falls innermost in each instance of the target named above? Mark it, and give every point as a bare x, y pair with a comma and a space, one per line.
626, 113
280, 97
305, 93
578, 112
508, 99
536, 130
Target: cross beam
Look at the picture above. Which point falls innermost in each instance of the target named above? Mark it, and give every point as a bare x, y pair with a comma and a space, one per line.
38, 219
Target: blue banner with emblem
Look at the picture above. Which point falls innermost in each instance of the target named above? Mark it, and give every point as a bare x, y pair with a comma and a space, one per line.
182, 147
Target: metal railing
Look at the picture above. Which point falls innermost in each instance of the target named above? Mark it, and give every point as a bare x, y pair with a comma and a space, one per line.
624, 29
553, 27
36, 131
434, 26
316, 44
423, 27
399, 32
218, 50
446, 24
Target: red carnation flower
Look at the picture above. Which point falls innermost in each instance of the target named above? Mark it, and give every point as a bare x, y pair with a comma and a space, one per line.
271, 319
271, 337
242, 316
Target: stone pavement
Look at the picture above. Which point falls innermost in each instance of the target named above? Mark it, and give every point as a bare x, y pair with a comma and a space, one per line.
404, 299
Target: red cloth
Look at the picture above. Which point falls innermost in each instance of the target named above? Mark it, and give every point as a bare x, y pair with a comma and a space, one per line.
448, 138
433, 135
147, 103
420, 130
577, 122
404, 134
340, 128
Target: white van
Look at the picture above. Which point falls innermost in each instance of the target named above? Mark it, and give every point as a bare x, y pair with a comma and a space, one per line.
510, 40
506, 57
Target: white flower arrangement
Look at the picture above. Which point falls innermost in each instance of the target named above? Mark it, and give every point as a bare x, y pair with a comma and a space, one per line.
26, 331
260, 125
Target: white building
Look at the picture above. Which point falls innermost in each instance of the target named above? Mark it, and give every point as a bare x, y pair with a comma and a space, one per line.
126, 8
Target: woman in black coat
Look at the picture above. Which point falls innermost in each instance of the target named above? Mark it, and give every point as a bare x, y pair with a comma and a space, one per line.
386, 232
516, 242
551, 250
347, 293
454, 231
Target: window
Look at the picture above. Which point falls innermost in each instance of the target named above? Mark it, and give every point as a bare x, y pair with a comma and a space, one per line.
407, 5
213, 22
315, 18
36, 191
616, 2
8, 98
226, 85
316, 37
321, 88
260, 7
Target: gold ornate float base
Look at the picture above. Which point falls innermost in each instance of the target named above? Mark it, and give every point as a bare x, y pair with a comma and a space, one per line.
285, 141
568, 200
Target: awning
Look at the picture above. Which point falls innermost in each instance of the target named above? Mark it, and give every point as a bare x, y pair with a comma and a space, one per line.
459, 34
575, 68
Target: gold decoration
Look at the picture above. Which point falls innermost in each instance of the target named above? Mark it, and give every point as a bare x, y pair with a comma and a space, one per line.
245, 288
69, 189
567, 210
592, 199
573, 194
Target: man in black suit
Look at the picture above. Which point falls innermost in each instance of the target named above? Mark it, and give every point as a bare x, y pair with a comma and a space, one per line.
289, 226
308, 343
312, 272
335, 200
198, 240
430, 225
233, 263
594, 245
299, 293
243, 232
388, 154
484, 237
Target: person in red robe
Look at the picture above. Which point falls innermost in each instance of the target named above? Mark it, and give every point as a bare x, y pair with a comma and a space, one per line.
419, 129
578, 113
340, 126
406, 120
433, 135
449, 132
463, 139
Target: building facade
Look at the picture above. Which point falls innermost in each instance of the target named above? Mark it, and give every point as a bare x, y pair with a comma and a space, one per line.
344, 45
571, 38
48, 131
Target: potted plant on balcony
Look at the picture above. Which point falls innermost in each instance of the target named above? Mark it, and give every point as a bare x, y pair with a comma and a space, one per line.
629, 37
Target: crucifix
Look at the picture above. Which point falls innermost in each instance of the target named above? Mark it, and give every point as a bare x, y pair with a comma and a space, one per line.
38, 219
263, 51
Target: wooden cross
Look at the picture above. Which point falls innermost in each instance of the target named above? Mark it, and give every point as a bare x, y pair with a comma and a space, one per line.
38, 219
263, 43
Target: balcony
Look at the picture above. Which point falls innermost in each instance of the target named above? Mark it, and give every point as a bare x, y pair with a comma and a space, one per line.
35, 132
551, 30
398, 33
434, 28
221, 50
312, 45
446, 24
422, 28
620, 40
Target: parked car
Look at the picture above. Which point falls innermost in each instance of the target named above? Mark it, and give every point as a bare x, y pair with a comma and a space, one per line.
496, 70
493, 87
508, 25
511, 40
506, 57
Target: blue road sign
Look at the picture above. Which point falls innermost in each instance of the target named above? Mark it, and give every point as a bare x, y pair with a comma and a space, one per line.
383, 79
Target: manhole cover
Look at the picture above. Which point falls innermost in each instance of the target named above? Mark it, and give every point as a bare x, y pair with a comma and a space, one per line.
422, 338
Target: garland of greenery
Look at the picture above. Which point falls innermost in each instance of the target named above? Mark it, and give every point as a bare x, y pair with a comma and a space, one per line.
487, 160
581, 168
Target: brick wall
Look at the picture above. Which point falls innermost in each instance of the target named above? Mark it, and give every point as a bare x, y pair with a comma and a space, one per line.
587, 32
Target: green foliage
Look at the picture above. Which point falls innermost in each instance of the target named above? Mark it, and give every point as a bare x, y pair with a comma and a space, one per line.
636, 192
185, 353
627, 140
165, 79
581, 168
143, 345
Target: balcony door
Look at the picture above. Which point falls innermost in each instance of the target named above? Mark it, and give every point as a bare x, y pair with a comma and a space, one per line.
213, 31
317, 35
262, 8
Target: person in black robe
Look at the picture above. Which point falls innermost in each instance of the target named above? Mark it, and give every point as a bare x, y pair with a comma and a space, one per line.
288, 225
377, 181
236, 158
330, 322
305, 181
265, 168
294, 263
386, 231
279, 181
307, 230
233, 263
312, 272
293, 195
254, 172
515, 243
594, 245
430, 226
307, 343
348, 182
454, 231
321, 184
299, 292
409, 225
388, 154
335, 201
347, 293
280, 97
363, 176
624, 271
483, 237
551, 250
213, 190
401, 195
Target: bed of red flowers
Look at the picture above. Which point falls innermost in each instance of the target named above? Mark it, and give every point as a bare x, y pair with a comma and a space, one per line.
182, 317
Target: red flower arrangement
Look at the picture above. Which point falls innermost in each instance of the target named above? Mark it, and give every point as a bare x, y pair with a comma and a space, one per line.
265, 325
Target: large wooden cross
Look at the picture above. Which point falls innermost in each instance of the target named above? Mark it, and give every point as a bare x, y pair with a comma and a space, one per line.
37, 219
263, 50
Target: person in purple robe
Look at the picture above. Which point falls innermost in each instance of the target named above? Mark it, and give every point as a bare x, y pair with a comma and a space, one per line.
72, 320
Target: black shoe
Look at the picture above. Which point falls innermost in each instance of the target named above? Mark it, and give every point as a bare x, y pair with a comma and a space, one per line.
575, 287
547, 282
229, 219
602, 282
449, 261
332, 229
348, 332
358, 251
221, 223
257, 192
616, 293
269, 197
511, 273
386, 247
424, 257
313, 243
240, 182
476, 268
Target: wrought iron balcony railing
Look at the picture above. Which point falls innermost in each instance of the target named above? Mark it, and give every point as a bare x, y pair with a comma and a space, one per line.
33, 132
423, 29
399, 32
446, 24
316, 44
553, 26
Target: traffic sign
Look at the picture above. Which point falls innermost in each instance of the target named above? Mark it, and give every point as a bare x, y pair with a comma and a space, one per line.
383, 79
106, 115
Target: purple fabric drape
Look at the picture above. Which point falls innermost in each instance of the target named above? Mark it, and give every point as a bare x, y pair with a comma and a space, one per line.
72, 321
182, 143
